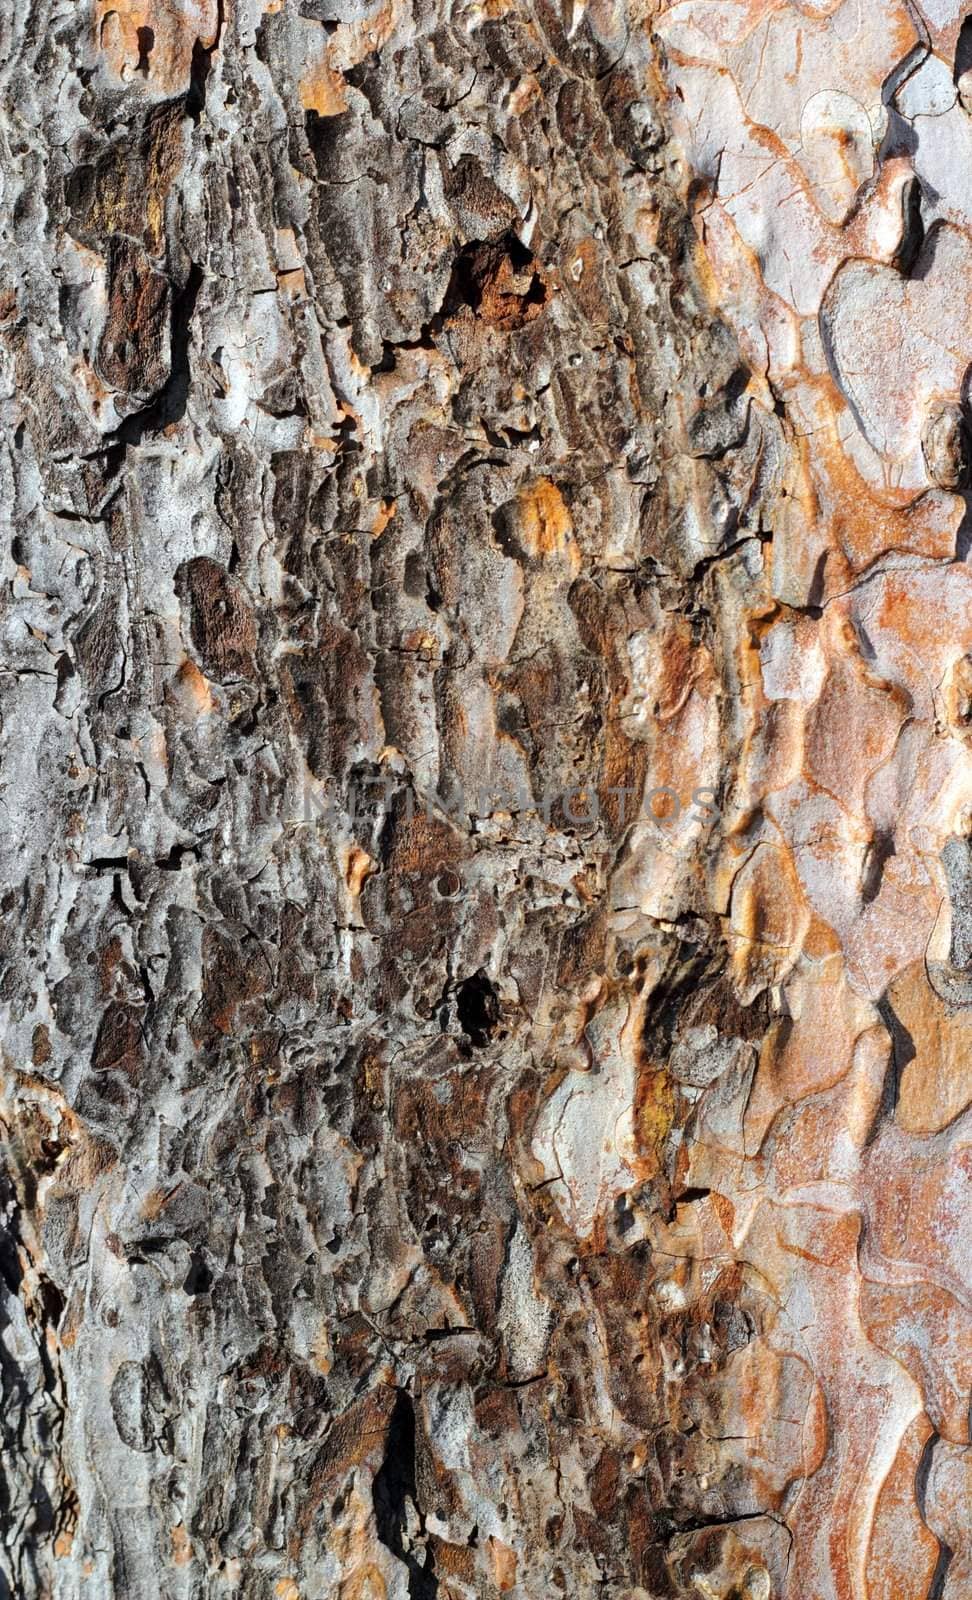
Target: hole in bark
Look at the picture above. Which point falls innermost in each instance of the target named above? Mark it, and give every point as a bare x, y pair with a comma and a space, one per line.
53, 1302
912, 228
879, 853
963, 50
146, 42
945, 1553
199, 1278
501, 282
393, 1486
198, 73
902, 1051
477, 1006
624, 1218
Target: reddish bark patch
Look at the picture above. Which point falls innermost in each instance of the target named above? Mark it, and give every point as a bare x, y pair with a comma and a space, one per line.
222, 626
500, 281
133, 355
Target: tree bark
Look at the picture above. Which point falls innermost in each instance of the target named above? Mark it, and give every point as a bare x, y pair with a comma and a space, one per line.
487, 659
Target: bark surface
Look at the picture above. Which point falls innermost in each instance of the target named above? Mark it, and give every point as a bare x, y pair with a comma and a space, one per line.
486, 892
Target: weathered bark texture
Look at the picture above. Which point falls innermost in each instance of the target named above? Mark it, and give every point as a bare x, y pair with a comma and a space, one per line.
557, 1186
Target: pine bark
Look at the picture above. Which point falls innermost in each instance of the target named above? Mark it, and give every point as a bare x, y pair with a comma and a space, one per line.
460, 1136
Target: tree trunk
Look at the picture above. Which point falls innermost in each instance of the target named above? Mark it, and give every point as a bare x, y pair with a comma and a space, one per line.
486, 643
